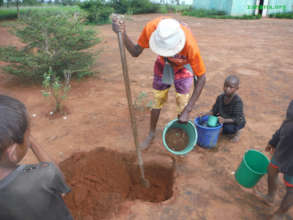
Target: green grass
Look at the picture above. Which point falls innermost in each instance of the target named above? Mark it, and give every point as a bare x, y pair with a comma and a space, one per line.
8, 13
288, 15
11, 13
201, 13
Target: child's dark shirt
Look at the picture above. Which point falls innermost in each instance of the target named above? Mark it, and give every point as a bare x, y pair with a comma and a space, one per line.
233, 110
282, 140
33, 192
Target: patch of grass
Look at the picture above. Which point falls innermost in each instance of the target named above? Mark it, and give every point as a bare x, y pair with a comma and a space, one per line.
287, 15
11, 13
165, 8
8, 13
202, 13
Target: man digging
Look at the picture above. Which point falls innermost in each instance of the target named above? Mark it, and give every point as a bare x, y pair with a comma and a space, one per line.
179, 63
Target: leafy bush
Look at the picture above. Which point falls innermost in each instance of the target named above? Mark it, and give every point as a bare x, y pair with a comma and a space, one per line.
134, 6
98, 12
53, 40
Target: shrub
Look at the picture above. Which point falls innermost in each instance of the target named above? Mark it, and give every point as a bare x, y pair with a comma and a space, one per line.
134, 6
54, 40
98, 12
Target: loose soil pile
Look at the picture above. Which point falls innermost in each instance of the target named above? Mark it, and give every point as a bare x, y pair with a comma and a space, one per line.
101, 180
177, 139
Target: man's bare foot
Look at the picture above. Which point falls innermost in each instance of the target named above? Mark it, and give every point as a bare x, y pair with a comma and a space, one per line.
147, 142
268, 200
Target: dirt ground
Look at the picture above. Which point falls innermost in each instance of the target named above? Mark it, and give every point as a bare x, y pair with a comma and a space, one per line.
258, 51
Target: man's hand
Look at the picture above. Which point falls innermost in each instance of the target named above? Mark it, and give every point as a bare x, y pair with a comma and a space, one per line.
269, 148
183, 117
118, 24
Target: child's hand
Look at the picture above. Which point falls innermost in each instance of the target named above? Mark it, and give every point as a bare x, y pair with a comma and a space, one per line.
269, 148
221, 119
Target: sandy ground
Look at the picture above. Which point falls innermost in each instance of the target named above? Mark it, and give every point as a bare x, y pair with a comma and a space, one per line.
258, 51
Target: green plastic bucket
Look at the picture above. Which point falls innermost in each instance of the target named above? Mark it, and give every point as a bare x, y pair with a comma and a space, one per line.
253, 166
189, 128
212, 121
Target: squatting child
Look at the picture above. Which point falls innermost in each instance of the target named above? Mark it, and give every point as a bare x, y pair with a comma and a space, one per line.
32, 191
229, 108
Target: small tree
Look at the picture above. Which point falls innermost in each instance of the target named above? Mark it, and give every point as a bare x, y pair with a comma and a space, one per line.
52, 39
98, 11
55, 88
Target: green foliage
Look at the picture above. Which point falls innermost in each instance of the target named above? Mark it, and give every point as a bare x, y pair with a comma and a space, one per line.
134, 6
216, 14
1, 3
8, 13
55, 88
56, 40
98, 12
287, 15
30, 2
11, 13
167, 8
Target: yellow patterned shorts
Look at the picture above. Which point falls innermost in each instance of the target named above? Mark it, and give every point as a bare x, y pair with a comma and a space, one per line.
161, 97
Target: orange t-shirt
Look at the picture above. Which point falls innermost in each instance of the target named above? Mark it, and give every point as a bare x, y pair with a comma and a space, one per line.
188, 55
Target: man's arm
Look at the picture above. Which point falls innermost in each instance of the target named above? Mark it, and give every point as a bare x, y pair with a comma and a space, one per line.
118, 25
134, 49
184, 116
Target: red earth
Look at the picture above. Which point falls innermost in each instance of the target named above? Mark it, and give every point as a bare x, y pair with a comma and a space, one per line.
201, 184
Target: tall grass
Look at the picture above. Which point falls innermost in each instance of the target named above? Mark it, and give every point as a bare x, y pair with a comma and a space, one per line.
11, 13
215, 14
288, 15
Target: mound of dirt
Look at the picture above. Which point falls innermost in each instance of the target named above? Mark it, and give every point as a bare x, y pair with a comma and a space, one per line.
101, 180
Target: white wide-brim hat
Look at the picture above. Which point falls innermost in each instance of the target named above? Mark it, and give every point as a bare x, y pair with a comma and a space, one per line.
168, 39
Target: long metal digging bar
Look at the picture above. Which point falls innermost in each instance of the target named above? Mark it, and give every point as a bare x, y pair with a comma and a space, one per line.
131, 110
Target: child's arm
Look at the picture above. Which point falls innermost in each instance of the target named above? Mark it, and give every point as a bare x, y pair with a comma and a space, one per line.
225, 120
273, 142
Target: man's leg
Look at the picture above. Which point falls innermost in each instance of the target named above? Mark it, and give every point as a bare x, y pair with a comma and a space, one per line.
160, 97
155, 114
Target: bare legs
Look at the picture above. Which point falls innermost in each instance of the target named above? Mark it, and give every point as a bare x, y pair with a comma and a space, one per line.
155, 113
287, 201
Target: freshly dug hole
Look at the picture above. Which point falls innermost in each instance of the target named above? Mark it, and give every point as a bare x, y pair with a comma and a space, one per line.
101, 180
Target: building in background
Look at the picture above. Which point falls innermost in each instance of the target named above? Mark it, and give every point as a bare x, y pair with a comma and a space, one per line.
245, 7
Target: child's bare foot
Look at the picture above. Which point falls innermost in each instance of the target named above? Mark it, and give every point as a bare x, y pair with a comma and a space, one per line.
235, 138
268, 200
147, 142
